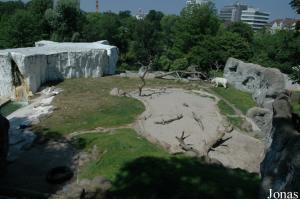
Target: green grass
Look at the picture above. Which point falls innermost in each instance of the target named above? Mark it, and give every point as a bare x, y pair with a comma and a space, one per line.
86, 104
241, 100
227, 111
182, 177
139, 169
117, 149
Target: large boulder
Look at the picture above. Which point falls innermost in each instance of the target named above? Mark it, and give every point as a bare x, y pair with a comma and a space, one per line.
24, 70
263, 83
280, 169
263, 119
84, 189
4, 142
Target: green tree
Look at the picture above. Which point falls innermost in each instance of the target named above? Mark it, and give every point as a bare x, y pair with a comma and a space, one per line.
10, 7
243, 29
213, 51
21, 29
296, 5
66, 21
39, 7
280, 50
147, 38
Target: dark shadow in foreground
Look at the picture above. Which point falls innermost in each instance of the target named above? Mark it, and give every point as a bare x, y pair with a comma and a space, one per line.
153, 178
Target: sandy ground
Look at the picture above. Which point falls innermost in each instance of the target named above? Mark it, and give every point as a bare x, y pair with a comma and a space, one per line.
239, 151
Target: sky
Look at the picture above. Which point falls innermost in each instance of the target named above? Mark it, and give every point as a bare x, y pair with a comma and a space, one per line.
277, 8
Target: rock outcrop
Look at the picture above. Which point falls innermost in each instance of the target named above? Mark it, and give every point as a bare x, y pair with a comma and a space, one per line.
84, 189
24, 70
262, 117
263, 83
280, 169
4, 142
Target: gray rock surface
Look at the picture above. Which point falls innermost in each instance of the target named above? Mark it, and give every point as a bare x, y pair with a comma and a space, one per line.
263, 119
21, 139
4, 142
24, 70
263, 83
117, 92
280, 169
84, 189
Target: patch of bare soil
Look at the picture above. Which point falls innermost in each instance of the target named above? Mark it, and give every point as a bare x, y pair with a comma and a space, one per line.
173, 111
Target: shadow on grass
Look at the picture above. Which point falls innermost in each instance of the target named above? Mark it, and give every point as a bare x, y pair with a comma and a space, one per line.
153, 178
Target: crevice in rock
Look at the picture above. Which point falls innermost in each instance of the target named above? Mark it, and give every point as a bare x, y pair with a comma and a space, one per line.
20, 86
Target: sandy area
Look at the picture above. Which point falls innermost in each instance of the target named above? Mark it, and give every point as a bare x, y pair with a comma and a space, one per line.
239, 151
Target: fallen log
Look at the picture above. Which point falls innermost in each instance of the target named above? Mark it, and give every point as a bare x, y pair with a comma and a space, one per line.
179, 74
168, 121
199, 121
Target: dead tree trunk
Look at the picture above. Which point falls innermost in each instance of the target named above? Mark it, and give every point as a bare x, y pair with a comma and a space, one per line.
142, 74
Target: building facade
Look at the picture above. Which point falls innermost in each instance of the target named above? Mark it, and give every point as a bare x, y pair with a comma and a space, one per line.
255, 18
283, 24
239, 12
232, 13
201, 2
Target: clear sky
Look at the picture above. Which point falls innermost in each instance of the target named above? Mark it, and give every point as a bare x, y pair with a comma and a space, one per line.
277, 8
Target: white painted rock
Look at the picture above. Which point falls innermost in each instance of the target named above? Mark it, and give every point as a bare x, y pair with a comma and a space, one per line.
51, 61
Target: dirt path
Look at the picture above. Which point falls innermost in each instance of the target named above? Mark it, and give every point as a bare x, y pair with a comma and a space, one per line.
168, 114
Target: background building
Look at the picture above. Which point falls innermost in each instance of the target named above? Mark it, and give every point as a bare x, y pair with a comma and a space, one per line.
255, 18
197, 2
283, 24
232, 13
76, 2
239, 12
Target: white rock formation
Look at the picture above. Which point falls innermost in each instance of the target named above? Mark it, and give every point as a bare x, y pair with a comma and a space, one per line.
24, 70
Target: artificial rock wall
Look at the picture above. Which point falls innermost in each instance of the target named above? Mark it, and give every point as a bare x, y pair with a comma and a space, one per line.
24, 70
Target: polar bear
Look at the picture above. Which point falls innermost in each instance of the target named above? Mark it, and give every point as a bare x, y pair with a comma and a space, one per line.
219, 80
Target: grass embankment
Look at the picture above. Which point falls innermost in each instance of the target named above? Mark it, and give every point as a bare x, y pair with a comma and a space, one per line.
241, 100
226, 110
116, 149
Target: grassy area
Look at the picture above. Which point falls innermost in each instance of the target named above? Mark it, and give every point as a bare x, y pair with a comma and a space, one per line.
86, 104
241, 100
183, 177
117, 149
226, 110
139, 169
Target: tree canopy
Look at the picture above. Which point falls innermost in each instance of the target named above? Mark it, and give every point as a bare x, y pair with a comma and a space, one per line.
172, 42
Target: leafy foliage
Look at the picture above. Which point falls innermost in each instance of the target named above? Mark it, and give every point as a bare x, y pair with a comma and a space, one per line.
296, 5
172, 42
